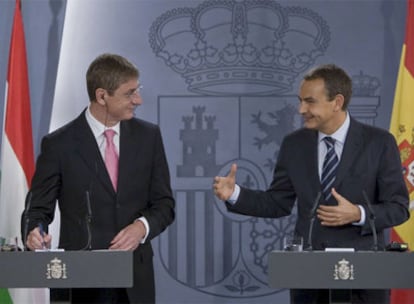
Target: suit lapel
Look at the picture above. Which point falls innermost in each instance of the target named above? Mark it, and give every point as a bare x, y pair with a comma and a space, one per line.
313, 162
89, 151
351, 151
129, 143
311, 159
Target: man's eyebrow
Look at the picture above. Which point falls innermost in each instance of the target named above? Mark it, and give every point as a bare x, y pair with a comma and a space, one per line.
308, 98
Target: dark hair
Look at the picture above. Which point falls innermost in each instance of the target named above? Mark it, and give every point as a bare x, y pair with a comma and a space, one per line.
109, 71
336, 81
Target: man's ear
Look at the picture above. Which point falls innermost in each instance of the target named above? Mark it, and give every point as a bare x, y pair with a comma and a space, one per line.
339, 102
100, 95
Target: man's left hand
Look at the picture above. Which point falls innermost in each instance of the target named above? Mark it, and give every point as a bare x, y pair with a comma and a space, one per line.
130, 237
342, 214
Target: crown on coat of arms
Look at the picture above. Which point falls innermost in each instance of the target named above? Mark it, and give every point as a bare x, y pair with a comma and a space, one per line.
364, 85
222, 47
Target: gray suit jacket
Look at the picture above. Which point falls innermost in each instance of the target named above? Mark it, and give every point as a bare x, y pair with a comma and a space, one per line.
370, 162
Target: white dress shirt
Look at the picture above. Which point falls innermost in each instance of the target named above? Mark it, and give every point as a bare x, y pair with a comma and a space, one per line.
98, 130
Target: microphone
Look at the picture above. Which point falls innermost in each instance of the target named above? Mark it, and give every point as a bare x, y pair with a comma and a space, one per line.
371, 219
26, 219
88, 219
312, 219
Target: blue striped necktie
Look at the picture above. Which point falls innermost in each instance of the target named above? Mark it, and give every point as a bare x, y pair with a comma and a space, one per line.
330, 165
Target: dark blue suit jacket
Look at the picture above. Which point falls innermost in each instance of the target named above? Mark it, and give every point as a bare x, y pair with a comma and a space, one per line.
370, 162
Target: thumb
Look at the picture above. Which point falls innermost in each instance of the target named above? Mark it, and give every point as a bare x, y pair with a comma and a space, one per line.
233, 170
336, 195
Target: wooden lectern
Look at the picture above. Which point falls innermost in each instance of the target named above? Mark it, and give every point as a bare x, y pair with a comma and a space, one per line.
66, 269
341, 270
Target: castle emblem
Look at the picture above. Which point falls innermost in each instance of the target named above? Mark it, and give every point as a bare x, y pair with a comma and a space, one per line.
344, 270
56, 269
199, 145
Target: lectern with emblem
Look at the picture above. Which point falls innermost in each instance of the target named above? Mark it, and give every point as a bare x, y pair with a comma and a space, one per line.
341, 271
66, 269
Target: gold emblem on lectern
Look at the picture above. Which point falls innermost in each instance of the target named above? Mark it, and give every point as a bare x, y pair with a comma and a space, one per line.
344, 270
56, 269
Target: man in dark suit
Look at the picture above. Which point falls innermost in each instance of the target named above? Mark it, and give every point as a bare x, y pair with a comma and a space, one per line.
363, 161
130, 206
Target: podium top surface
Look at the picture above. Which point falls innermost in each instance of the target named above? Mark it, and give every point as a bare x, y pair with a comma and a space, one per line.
66, 269
341, 270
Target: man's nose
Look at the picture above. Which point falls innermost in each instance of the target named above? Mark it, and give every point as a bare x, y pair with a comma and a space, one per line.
137, 99
302, 108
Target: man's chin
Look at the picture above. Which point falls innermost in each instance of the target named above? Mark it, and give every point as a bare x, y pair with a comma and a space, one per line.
309, 125
130, 115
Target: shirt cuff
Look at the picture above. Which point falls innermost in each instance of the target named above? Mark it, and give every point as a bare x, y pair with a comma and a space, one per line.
145, 222
235, 195
363, 217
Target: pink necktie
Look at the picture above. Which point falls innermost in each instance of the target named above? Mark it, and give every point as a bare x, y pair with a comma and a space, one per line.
111, 157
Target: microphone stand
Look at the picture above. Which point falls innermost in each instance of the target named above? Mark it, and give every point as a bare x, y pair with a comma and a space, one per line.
26, 219
88, 218
371, 219
312, 220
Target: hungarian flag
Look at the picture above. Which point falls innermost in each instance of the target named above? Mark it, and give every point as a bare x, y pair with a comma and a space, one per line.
17, 155
402, 126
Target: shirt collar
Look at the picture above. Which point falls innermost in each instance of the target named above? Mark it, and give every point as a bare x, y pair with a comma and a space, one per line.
340, 134
96, 126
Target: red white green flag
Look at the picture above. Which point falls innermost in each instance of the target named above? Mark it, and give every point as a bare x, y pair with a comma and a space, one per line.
17, 155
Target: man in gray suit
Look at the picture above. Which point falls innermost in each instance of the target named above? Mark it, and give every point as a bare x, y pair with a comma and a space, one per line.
131, 199
362, 170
